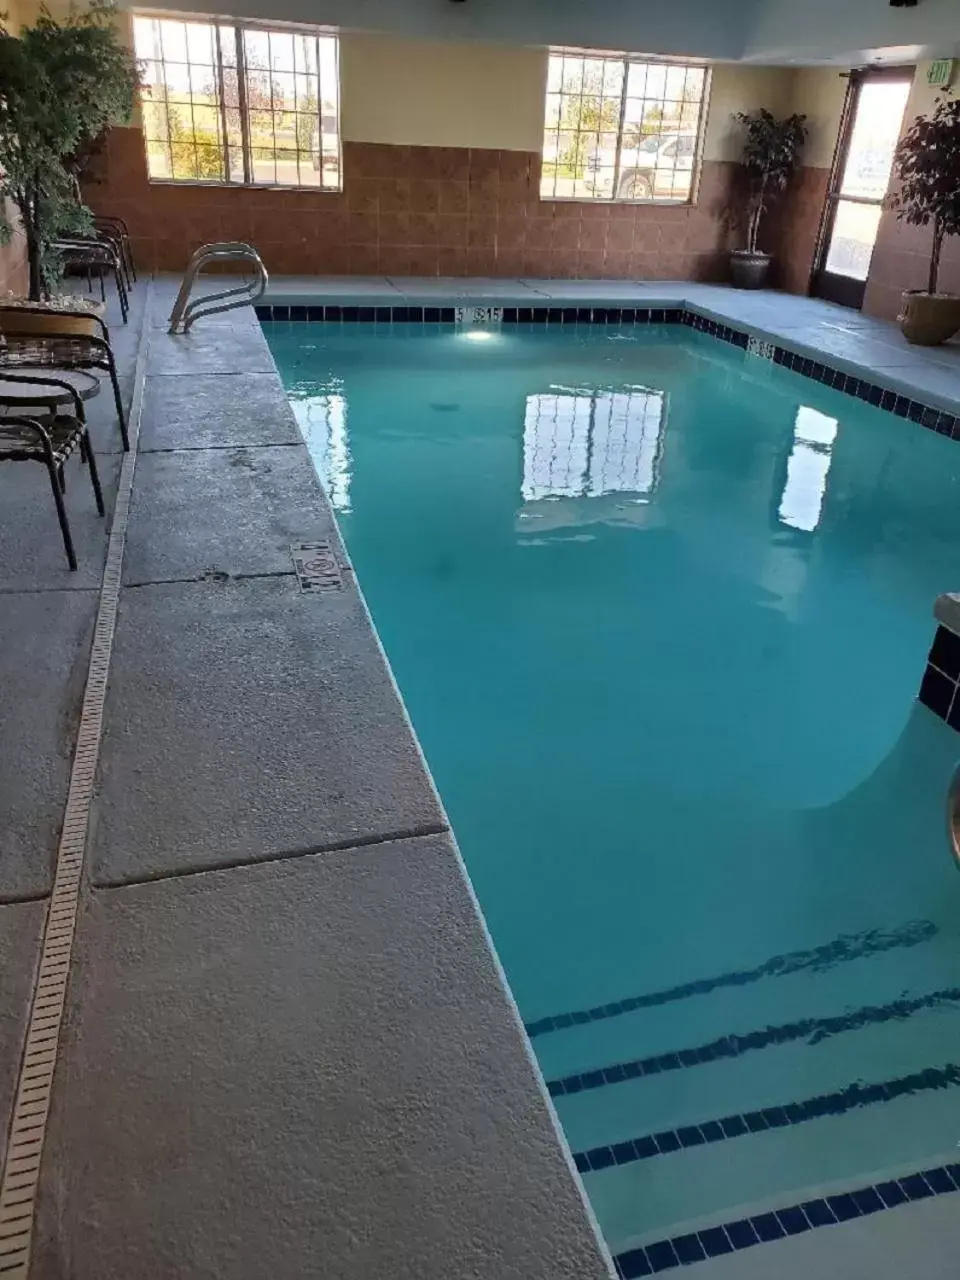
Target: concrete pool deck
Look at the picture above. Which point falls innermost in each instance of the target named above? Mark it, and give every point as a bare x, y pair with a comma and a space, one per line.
288, 1050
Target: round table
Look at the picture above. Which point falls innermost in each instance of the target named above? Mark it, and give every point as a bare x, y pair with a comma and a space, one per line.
20, 395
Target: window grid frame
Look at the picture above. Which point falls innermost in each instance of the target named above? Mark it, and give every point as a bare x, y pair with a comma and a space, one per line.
625, 61
221, 64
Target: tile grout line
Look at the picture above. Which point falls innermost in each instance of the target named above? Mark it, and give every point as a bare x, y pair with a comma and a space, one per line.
20, 1179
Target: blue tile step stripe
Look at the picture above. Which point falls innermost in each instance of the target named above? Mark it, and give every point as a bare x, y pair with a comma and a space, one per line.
733, 1046
941, 678
946, 424
809, 1215
841, 950
850, 1098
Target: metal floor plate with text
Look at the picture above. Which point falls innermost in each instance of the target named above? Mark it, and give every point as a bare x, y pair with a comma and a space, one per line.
316, 566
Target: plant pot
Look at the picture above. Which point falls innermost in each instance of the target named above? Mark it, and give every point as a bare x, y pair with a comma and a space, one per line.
927, 319
63, 314
749, 270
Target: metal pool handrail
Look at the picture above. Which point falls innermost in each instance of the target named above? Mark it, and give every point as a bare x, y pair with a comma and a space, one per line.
251, 291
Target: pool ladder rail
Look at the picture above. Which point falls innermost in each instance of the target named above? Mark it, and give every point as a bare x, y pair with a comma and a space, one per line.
186, 311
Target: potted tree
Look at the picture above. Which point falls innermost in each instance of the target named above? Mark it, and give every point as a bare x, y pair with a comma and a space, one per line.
771, 154
927, 163
61, 85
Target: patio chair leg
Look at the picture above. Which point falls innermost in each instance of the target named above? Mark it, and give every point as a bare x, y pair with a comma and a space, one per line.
118, 400
121, 294
61, 514
103, 288
94, 475
62, 478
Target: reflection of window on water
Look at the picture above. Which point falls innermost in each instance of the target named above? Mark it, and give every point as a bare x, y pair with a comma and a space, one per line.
807, 467
323, 421
580, 445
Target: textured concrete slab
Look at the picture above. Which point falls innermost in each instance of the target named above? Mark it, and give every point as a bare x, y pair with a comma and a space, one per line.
32, 557
209, 350
211, 512
302, 1069
101, 413
21, 929
44, 650
245, 721
216, 411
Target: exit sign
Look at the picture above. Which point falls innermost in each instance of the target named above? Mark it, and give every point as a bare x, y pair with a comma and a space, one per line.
940, 73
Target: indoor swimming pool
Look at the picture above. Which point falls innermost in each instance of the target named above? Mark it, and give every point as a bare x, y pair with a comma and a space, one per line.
659, 610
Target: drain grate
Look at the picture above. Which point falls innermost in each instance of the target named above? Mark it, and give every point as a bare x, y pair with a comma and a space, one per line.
21, 1169
316, 566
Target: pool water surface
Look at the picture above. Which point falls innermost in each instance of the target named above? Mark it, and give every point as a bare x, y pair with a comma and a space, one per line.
659, 610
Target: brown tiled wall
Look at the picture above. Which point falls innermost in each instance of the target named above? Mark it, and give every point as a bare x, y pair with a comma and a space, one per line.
416, 211
797, 223
901, 260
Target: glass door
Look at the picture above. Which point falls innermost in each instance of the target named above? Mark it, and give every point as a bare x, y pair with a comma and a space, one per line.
873, 115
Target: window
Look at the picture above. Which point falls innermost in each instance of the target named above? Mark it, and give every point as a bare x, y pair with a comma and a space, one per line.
620, 129
228, 102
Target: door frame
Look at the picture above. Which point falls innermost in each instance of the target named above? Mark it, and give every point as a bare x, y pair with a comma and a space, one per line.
829, 285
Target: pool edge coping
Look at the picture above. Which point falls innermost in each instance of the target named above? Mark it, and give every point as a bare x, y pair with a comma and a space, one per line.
904, 399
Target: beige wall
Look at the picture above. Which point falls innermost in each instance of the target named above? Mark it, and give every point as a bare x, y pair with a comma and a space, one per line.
428, 93
819, 93
923, 96
736, 88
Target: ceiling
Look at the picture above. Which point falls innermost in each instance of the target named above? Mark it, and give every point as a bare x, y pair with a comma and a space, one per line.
772, 32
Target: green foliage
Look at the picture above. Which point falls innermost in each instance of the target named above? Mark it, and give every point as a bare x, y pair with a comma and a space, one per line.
62, 84
308, 125
195, 152
591, 117
771, 154
927, 163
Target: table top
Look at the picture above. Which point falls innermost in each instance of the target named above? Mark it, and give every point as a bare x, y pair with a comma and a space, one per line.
20, 393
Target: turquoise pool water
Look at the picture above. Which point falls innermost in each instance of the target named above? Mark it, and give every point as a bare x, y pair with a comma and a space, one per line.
659, 610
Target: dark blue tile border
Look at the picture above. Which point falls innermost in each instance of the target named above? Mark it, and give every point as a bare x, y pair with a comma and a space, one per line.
837, 1103
941, 678
810, 1215
841, 950
735, 1045
934, 419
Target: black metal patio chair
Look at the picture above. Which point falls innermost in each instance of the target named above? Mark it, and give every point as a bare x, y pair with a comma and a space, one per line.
94, 259
49, 436
116, 230
26, 340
